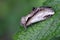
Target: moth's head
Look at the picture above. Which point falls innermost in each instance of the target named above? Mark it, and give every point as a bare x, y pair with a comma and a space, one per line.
23, 21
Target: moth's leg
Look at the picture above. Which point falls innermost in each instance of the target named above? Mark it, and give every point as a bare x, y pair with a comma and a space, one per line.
25, 27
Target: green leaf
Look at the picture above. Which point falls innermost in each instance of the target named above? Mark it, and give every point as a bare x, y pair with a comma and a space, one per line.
45, 30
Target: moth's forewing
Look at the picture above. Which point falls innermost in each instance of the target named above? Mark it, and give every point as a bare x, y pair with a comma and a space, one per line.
41, 15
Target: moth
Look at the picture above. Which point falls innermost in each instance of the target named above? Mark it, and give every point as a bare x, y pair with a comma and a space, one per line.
36, 15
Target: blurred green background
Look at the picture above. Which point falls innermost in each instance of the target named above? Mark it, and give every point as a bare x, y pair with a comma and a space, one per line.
11, 12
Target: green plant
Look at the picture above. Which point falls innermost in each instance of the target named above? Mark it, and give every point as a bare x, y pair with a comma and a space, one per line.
45, 30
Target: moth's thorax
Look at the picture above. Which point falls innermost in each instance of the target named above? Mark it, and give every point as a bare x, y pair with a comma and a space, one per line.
36, 15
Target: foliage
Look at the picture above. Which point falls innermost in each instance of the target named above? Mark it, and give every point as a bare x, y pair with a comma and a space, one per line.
12, 12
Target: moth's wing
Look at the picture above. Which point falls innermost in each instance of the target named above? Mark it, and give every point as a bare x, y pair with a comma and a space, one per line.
48, 16
36, 18
45, 7
40, 16
32, 13
25, 18
29, 15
